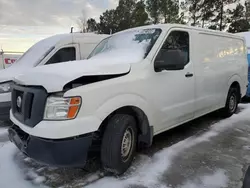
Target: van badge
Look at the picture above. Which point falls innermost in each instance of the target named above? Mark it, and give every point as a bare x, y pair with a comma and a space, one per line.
19, 102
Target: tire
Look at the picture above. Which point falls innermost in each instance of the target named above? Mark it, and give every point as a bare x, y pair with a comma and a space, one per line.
232, 102
113, 158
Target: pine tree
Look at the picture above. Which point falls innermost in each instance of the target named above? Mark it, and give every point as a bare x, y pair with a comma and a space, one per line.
222, 13
238, 20
108, 22
124, 12
239, 26
139, 14
207, 12
237, 13
153, 7
128, 14
247, 13
91, 25
169, 10
193, 7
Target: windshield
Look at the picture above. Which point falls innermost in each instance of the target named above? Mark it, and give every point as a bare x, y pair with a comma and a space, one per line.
140, 42
36, 53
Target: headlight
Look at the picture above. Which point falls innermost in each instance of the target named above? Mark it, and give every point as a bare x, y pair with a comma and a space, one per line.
5, 87
59, 108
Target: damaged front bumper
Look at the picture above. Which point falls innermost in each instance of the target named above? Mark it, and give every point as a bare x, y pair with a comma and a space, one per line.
69, 152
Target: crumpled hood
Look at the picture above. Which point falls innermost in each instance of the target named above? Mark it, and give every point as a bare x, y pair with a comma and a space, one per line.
11, 72
54, 77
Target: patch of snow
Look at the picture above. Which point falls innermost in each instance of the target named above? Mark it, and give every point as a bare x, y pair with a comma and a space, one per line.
32, 176
1, 145
30, 58
69, 71
10, 175
3, 131
27, 159
216, 180
38, 51
148, 174
39, 180
239, 130
138, 41
246, 147
244, 139
119, 56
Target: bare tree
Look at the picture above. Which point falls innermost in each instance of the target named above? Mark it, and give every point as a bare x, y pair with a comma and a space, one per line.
82, 22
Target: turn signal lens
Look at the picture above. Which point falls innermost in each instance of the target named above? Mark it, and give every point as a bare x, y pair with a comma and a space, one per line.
74, 107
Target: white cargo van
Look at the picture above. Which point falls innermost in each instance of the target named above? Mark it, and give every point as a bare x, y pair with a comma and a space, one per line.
134, 85
52, 50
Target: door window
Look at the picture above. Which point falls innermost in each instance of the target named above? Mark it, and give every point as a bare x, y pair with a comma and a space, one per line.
174, 53
63, 55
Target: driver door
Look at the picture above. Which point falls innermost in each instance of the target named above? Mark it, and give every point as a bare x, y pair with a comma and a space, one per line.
175, 84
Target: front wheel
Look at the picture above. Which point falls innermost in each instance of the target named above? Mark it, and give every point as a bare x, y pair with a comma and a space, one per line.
232, 102
119, 144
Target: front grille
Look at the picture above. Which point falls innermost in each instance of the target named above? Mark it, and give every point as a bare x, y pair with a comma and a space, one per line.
28, 104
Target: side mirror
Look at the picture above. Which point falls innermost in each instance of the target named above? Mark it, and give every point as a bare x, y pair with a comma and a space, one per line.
170, 60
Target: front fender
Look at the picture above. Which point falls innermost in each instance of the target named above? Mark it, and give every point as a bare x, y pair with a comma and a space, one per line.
123, 100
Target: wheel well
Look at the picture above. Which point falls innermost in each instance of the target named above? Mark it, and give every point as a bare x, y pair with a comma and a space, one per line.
237, 86
144, 131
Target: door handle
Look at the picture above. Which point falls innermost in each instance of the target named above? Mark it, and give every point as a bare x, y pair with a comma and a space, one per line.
189, 75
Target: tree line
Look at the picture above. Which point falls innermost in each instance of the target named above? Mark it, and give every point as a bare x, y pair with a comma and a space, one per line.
223, 15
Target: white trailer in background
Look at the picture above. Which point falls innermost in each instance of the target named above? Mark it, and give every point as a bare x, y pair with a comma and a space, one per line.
55, 49
8, 58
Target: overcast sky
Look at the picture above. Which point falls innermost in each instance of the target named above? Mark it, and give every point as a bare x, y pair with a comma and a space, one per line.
23, 22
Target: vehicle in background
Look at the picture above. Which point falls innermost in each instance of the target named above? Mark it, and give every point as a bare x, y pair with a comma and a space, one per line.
56, 49
134, 85
246, 35
8, 58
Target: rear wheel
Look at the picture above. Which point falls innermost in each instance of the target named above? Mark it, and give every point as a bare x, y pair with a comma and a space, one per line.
232, 102
119, 144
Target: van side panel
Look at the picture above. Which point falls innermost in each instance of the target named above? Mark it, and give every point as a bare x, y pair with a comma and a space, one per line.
219, 59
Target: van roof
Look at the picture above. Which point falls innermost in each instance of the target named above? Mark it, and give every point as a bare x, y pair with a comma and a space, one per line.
167, 26
84, 37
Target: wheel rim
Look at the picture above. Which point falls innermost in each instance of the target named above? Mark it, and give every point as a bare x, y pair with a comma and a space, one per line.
232, 103
127, 144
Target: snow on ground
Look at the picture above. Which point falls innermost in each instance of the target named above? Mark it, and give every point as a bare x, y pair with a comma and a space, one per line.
145, 172
3, 131
148, 175
218, 179
10, 174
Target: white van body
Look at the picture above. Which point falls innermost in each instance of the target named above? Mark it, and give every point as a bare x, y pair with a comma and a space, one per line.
8, 59
212, 75
55, 49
